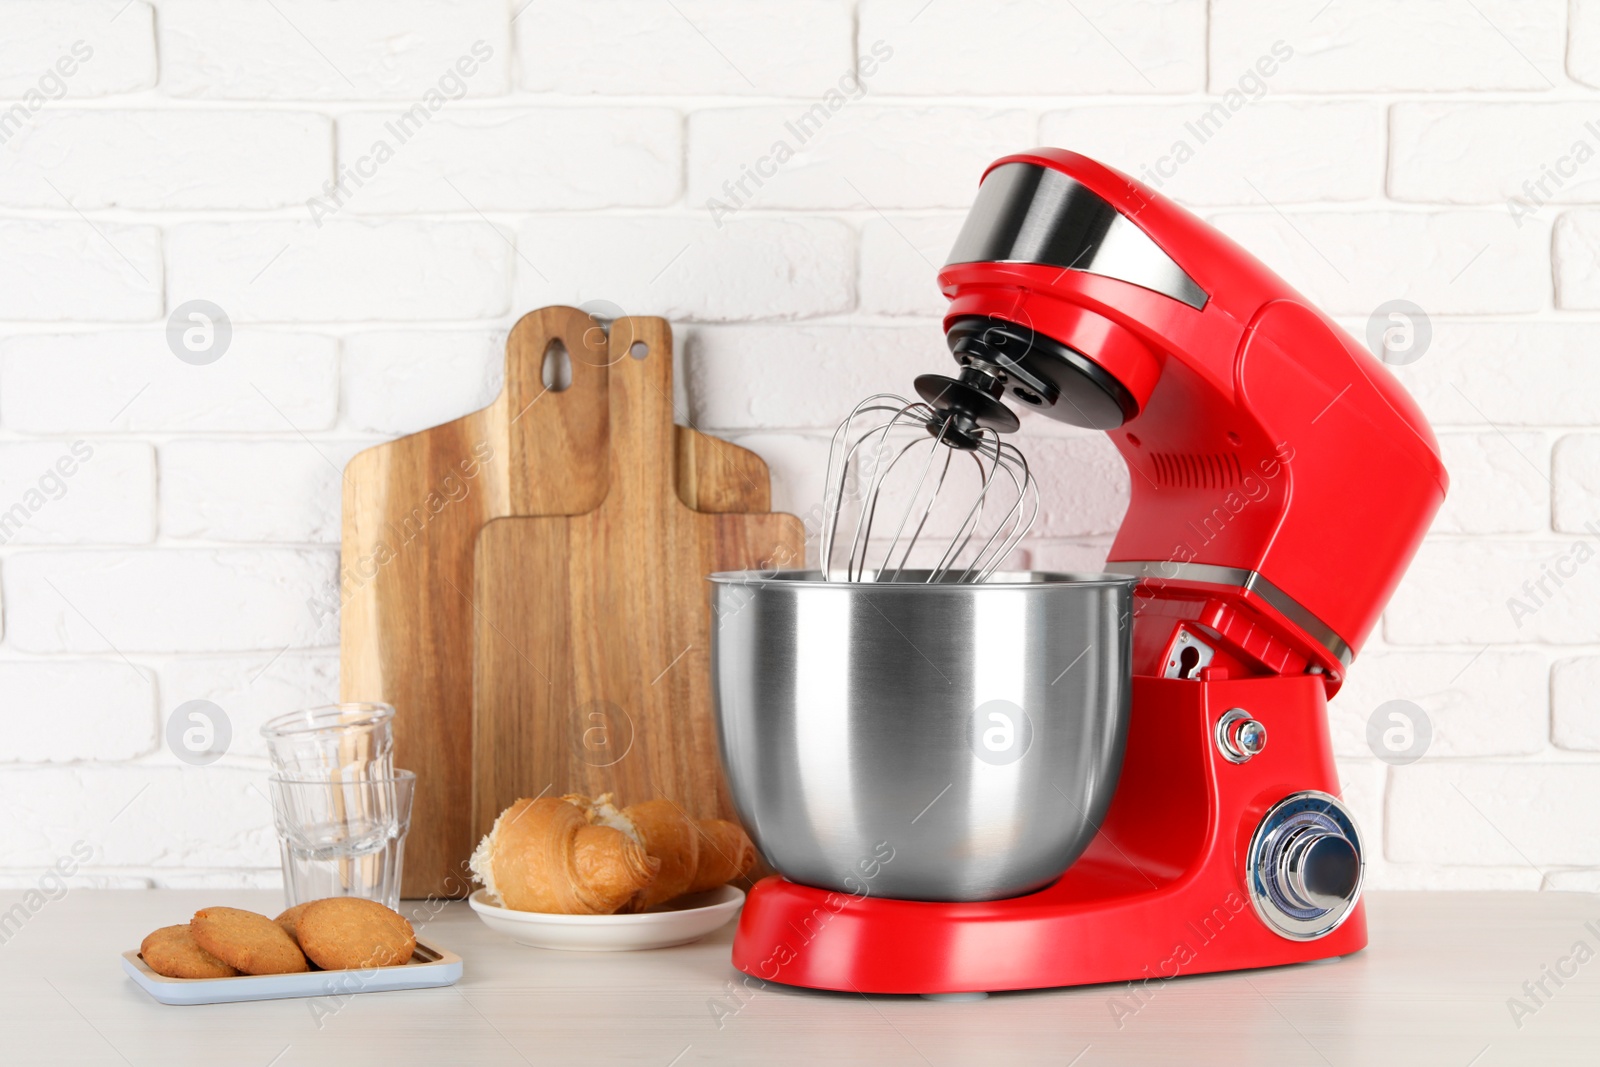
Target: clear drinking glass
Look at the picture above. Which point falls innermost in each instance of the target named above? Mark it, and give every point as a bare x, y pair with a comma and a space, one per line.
342, 836
334, 740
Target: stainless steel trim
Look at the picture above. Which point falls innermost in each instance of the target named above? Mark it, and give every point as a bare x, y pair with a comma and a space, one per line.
1250, 582
1295, 814
1026, 213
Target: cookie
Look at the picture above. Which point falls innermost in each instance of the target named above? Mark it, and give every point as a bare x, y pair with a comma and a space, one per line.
350, 933
291, 916
172, 953
252, 943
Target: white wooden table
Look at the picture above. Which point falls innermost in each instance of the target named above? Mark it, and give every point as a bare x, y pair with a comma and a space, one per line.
1432, 989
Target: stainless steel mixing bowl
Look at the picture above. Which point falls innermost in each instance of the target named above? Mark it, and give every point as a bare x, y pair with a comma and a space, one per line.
952, 741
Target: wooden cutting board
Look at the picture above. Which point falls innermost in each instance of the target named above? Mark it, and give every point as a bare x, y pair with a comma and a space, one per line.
593, 645
412, 511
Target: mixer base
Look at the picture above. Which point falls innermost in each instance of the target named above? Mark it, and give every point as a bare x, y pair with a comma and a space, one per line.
1159, 894
1073, 933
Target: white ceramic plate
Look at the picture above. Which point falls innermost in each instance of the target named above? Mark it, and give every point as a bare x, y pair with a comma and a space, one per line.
677, 923
429, 966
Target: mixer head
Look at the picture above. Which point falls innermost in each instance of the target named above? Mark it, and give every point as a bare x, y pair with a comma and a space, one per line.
1032, 232
1254, 497
933, 474
1029, 215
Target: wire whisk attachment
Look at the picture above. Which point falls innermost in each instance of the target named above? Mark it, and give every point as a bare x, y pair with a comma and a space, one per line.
921, 493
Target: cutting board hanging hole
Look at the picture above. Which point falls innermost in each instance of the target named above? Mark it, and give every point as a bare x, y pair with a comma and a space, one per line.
638, 350
557, 371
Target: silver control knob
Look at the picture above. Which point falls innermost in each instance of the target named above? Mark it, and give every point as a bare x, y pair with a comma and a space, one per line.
1239, 736
1304, 867
1320, 869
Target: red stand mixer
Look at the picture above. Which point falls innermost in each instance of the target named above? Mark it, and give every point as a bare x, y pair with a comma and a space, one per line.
1281, 482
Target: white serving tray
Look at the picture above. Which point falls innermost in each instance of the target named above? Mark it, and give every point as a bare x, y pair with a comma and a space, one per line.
430, 966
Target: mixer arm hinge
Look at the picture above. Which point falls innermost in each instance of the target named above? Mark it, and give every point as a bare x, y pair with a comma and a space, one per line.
1187, 655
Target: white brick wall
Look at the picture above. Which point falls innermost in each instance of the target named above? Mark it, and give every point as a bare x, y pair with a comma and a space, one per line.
1583, 47
1466, 153
1575, 703
343, 270
1534, 814
62, 711
253, 491
1499, 483
1450, 262
807, 377
1385, 45
374, 190
899, 259
1277, 147
205, 600
115, 48
252, 689
166, 159
1577, 482
129, 381
1019, 47
696, 47
58, 270
1500, 592
1577, 253
501, 160
397, 380
683, 267
1489, 703
314, 50
77, 492
1522, 372
867, 157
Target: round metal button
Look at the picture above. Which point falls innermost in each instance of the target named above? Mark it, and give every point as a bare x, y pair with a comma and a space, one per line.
1250, 737
1239, 736
1322, 869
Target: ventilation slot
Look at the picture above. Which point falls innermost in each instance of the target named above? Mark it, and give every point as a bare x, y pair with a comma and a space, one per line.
1195, 470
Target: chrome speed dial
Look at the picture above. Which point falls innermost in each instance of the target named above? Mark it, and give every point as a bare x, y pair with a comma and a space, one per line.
1305, 866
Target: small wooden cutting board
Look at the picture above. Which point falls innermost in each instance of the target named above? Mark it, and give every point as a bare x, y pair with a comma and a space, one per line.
592, 668
412, 511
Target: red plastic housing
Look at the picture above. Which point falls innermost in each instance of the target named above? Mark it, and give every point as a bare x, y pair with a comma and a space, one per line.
1268, 440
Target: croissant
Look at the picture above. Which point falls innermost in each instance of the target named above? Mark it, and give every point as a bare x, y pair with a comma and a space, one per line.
671, 837
726, 853
695, 855
545, 855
